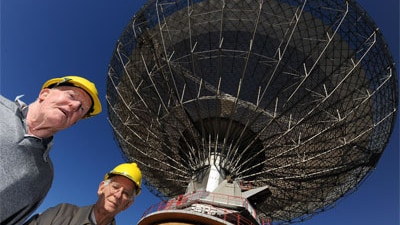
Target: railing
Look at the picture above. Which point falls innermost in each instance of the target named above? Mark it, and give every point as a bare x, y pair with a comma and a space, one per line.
205, 202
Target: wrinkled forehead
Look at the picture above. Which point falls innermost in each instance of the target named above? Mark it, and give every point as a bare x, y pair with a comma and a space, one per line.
125, 182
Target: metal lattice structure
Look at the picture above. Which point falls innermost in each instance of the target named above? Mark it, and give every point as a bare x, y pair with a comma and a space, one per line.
298, 96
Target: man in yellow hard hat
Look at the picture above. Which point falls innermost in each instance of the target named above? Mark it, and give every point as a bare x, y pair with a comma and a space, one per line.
115, 193
26, 138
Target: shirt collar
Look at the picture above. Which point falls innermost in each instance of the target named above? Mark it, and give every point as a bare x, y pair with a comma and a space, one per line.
92, 218
23, 108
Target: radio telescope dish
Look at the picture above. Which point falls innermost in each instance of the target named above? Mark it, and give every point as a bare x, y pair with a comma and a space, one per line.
284, 104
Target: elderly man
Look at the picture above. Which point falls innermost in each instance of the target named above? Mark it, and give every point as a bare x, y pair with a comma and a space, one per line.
26, 138
115, 193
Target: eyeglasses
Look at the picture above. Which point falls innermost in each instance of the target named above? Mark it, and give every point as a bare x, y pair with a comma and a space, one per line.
116, 187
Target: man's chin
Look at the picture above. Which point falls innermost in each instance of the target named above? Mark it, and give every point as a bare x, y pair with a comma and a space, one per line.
60, 121
110, 207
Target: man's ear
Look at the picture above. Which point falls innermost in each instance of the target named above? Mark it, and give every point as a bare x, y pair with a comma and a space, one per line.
43, 94
100, 190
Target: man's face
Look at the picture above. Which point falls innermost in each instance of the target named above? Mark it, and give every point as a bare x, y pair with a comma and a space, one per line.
63, 106
116, 195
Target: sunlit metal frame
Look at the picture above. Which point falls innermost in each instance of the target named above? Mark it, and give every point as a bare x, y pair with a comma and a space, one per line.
299, 96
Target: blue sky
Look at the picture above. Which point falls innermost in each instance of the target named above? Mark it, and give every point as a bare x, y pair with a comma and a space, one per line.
41, 39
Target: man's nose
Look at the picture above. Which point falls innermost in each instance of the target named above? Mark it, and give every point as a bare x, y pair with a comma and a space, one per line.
75, 105
118, 193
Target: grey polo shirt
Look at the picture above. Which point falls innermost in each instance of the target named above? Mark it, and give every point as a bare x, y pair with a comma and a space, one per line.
26, 171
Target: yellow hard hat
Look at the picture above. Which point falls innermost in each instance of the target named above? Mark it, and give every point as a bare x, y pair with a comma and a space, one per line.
130, 171
82, 83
